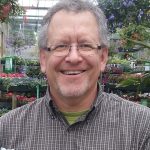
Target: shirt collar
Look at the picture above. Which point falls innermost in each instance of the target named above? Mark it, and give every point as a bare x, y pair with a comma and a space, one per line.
99, 96
52, 107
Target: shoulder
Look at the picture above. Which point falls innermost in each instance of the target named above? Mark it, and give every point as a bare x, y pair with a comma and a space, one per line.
126, 107
21, 112
115, 99
130, 118
22, 119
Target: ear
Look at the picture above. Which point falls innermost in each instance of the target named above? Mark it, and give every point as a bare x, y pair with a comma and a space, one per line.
43, 60
103, 58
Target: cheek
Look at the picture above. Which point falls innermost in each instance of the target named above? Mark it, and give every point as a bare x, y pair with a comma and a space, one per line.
50, 71
96, 63
94, 66
52, 65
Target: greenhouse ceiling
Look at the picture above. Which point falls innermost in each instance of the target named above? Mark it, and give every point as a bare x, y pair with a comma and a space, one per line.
35, 10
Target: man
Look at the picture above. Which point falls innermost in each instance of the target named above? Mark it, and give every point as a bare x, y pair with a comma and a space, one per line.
75, 114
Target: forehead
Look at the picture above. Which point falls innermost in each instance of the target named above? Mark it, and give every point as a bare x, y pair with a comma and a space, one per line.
72, 17
68, 22
70, 14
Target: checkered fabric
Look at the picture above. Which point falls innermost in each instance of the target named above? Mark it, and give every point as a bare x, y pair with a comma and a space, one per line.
111, 124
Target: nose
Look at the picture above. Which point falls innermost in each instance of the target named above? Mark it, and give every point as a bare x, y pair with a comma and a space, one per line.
74, 56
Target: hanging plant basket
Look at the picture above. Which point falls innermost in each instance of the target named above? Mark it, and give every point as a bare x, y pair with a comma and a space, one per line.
9, 9
5, 11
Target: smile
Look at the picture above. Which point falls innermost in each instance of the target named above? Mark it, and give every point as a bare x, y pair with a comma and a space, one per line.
76, 72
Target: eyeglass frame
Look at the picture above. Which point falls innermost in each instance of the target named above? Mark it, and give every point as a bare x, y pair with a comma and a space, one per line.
78, 47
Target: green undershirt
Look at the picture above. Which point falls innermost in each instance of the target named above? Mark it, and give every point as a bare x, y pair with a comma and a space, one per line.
71, 117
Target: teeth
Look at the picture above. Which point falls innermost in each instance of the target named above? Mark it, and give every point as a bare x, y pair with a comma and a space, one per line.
72, 72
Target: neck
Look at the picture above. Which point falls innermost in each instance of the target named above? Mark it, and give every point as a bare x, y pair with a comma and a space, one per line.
75, 104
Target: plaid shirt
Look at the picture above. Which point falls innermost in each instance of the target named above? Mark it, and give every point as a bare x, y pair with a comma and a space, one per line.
111, 124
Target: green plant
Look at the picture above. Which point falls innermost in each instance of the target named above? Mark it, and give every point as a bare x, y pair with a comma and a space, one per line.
138, 83
26, 81
3, 111
16, 60
123, 12
12, 8
32, 62
116, 60
135, 35
34, 72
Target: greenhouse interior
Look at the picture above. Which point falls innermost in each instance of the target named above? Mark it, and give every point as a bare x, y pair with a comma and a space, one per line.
127, 72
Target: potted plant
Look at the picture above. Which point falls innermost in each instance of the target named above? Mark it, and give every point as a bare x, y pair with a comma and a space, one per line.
9, 8
137, 83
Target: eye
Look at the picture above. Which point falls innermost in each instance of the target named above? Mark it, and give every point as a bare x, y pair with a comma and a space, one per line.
60, 47
86, 46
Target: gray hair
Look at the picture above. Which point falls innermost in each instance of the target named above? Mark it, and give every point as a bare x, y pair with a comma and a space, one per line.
74, 6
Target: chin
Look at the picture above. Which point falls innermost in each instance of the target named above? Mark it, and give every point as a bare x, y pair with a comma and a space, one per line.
73, 90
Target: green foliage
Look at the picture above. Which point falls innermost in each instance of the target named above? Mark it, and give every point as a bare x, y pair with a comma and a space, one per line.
136, 82
26, 81
16, 10
135, 35
3, 111
32, 66
123, 12
34, 72
136, 32
129, 82
146, 80
116, 60
32, 62
16, 60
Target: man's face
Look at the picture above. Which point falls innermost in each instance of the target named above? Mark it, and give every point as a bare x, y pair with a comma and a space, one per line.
73, 75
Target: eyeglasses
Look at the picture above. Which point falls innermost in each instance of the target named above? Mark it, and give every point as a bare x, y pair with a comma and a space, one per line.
64, 49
